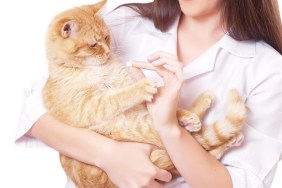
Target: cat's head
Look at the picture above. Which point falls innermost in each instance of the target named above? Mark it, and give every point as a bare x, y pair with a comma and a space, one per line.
78, 37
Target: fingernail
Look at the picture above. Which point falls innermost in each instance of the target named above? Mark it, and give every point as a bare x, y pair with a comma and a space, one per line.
129, 64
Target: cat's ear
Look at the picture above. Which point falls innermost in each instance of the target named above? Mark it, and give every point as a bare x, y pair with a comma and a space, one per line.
69, 28
97, 6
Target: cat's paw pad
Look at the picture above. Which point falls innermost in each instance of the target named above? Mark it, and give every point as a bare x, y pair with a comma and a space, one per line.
192, 123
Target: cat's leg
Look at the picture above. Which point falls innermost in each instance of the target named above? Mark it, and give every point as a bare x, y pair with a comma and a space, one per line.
110, 104
225, 129
137, 126
220, 150
191, 119
202, 103
232, 123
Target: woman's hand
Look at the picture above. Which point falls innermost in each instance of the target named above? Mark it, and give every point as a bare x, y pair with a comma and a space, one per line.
176, 140
166, 100
128, 166
126, 163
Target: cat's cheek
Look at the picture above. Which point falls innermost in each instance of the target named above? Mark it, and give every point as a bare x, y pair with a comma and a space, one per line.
69, 47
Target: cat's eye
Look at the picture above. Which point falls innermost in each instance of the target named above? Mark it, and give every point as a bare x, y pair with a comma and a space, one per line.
93, 45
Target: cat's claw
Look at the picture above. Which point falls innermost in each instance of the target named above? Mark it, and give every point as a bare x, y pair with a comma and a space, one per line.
150, 89
149, 99
236, 140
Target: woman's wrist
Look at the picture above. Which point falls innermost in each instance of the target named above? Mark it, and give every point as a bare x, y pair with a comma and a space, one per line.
170, 131
106, 152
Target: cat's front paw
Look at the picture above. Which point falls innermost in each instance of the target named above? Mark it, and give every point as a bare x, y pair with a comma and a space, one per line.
191, 122
148, 89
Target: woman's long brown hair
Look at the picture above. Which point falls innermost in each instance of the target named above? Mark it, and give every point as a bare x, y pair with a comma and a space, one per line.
245, 19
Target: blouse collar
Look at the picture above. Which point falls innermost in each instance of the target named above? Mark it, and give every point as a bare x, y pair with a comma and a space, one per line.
206, 62
244, 49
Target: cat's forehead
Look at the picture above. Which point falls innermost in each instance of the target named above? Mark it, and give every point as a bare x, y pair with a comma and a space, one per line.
95, 26
91, 19
83, 15
90, 23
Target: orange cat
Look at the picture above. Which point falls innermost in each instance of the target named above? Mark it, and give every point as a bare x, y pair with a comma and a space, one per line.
89, 88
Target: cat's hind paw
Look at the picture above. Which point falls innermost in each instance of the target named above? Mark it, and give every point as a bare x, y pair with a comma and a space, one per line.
236, 140
203, 102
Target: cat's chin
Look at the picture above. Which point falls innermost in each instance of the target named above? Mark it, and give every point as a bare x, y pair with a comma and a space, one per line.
90, 62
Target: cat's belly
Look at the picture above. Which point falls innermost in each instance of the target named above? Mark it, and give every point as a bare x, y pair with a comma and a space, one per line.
135, 126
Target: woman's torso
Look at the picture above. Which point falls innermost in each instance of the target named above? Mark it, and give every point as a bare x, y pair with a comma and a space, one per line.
248, 66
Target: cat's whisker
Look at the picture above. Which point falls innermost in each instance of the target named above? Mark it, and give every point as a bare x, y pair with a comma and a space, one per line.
118, 50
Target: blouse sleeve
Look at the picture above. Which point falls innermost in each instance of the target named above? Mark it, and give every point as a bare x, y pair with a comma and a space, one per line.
32, 109
253, 164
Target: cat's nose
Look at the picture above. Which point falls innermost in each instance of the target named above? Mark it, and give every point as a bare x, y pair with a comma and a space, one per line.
107, 50
108, 53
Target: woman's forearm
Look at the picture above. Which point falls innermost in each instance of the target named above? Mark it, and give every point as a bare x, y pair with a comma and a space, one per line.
198, 167
124, 170
78, 143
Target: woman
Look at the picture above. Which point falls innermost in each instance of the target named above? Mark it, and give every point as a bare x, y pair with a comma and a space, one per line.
206, 45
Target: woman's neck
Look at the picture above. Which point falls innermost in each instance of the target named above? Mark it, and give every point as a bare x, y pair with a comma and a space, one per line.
196, 35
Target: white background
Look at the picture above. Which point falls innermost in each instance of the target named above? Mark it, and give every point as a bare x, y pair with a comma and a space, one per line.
22, 60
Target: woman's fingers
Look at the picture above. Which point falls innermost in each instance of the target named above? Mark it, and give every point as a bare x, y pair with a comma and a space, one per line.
156, 184
168, 67
141, 65
163, 175
165, 59
160, 54
136, 73
162, 71
146, 65
168, 61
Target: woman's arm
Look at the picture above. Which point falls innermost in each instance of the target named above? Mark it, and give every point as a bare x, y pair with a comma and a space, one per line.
134, 170
198, 167
71, 141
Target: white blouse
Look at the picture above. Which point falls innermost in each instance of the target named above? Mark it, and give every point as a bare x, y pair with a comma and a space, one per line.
253, 68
